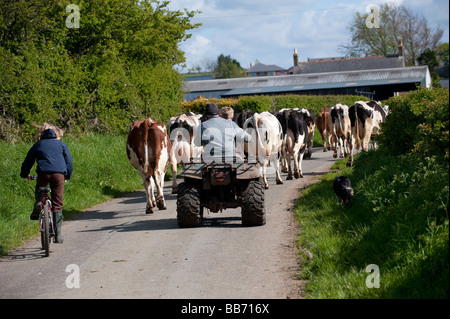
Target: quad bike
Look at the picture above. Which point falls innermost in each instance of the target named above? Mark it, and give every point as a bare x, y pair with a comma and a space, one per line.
218, 186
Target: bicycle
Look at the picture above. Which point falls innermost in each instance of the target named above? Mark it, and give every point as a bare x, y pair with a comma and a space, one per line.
45, 217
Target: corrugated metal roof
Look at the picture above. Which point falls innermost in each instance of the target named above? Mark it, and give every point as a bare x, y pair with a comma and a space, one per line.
349, 64
316, 80
306, 87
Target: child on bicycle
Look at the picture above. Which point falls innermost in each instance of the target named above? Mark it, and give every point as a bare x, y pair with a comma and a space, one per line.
54, 166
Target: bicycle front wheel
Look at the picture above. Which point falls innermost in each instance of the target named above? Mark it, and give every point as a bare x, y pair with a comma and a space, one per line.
45, 229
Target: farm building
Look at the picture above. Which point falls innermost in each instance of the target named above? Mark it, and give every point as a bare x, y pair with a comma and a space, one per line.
260, 69
378, 84
378, 78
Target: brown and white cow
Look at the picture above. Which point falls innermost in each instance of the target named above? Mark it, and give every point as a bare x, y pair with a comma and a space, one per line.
340, 130
182, 130
267, 132
148, 149
295, 139
323, 126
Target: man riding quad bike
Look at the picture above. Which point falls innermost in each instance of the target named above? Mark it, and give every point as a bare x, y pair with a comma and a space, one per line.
220, 179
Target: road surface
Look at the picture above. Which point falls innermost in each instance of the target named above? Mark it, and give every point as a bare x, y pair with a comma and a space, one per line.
115, 250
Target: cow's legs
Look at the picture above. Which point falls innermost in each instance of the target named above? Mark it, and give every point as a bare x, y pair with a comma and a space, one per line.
366, 139
266, 185
336, 144
283, 158
346, 146
341, 147
276, 166
296, 170
297, 153
351, 141
300, 160
159, 183
324, 140
289, 167
174, 160
149, 186
308, 151
174, 178
290, 151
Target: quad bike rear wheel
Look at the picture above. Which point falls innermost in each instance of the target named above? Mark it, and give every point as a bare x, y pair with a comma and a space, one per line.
189, 213
253, 208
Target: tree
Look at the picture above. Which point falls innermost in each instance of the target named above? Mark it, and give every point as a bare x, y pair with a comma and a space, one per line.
226, 67
429, 57
396, 24
443, 54
117, 66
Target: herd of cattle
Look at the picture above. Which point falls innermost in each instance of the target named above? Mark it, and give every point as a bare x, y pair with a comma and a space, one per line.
278, 137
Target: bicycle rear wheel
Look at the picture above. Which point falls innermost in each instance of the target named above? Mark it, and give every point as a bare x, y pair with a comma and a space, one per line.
45, 229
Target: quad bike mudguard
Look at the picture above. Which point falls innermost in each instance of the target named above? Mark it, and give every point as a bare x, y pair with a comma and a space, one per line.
243, 170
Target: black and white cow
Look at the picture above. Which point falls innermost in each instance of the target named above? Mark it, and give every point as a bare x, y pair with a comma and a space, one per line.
182, 130
339, 122
241, 117
311, 125
295, 137
267, 133
365, 119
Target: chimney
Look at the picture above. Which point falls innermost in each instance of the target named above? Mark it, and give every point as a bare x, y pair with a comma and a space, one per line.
295, 58
400, 48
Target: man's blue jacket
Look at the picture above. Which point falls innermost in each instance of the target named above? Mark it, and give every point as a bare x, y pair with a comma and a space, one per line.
51, 155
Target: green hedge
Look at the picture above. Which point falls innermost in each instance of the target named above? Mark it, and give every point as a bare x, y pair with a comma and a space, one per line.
261, 103
418, 122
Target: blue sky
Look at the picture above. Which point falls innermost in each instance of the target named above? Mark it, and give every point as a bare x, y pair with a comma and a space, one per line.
268, 31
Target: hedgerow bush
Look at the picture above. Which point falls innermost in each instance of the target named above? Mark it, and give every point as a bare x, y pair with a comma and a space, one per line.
418, 122
315, 102
198, 105
261, 103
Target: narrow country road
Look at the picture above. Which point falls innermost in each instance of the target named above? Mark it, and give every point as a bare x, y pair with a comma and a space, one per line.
120, 252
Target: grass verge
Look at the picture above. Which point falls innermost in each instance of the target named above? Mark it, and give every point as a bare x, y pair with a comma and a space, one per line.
398, 221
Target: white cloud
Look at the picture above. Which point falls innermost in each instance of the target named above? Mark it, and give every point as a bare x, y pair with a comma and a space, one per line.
198, 46
269, 30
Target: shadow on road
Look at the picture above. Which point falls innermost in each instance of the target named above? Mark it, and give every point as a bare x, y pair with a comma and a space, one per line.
23, 254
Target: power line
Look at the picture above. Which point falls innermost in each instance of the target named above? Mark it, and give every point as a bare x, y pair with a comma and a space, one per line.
271, 13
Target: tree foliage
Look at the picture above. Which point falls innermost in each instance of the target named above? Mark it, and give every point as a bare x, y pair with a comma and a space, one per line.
227, 67
116, 67
396, 23
418, 122
429, 57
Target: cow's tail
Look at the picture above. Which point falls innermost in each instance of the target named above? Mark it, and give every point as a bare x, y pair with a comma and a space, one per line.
357, 140
260, 147
146, 162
